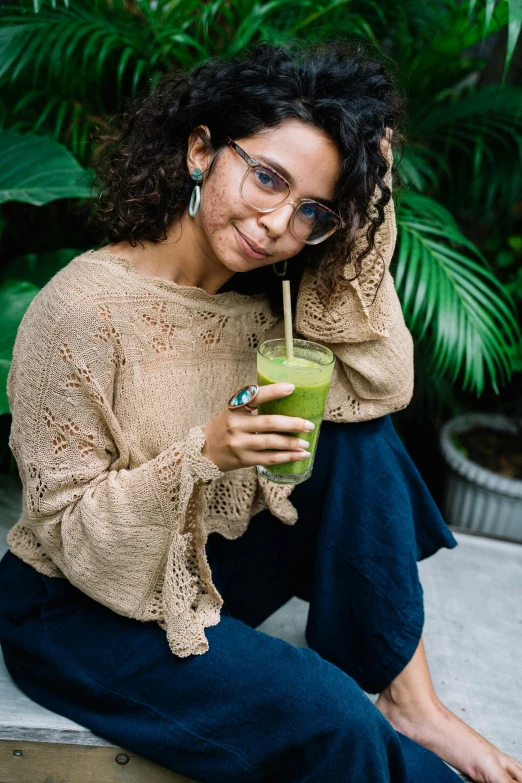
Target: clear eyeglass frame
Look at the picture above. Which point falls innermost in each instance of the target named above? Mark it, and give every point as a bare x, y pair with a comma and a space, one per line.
253, 163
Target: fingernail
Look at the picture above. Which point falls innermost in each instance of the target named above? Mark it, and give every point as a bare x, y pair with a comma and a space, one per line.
303, 443
309, 425
288, 387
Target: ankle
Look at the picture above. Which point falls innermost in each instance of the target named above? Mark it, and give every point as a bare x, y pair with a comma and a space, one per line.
396, 700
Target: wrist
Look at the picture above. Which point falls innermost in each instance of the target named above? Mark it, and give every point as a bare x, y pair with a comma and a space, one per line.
202, 466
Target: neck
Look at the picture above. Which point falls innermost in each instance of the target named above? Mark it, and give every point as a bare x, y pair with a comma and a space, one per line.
182, 258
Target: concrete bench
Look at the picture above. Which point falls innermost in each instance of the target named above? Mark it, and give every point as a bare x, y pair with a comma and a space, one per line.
472, 636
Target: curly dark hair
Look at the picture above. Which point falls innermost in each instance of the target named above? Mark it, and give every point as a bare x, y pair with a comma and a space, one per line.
142, 182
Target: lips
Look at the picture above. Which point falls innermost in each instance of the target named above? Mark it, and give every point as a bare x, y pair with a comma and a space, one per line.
255, 248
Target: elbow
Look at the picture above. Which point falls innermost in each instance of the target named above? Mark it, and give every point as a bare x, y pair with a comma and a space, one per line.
401, 400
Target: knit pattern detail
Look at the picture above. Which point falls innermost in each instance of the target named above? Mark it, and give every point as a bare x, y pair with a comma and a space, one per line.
115, 376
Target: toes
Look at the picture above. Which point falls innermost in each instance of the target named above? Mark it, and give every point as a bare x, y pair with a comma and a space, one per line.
515, 770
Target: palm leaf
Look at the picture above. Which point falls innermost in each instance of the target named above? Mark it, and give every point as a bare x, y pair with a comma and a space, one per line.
479, 135
79, 37
441, 44
37, 4
514, 26
473, 111
419, 166
452, 301
252, 23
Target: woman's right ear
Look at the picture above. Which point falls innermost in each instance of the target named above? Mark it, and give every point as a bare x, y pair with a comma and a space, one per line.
200, 149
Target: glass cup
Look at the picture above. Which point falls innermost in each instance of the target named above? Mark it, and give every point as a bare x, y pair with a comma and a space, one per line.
311, 373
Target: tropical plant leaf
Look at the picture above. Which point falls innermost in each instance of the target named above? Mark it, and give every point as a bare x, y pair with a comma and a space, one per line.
479, 136
38, 268
37, 170
15, 298
452, 301
515, 23
82, 38
438, 58
419, 167
473, 113
37, 4
4, 372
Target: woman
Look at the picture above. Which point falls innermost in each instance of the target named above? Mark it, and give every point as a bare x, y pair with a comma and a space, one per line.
148, 550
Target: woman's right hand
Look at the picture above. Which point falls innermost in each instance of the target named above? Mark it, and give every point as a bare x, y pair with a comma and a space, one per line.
237, 438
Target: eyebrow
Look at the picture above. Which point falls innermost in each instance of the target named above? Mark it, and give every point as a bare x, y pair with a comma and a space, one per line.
291, 181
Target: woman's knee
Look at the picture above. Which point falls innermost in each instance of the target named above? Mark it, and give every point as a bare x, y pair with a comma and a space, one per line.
342, 732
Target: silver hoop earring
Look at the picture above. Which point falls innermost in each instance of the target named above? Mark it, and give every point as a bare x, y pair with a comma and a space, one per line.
279, 274
195, 199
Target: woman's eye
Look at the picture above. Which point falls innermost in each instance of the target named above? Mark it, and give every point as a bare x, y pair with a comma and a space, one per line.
309, 212
266, 180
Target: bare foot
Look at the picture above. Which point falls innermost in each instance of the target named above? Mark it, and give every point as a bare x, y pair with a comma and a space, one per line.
435, 727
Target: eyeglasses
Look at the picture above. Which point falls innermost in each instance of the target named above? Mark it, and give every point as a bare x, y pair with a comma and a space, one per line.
265, 190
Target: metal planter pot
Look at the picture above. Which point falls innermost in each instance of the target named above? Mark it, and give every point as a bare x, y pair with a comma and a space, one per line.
474, 497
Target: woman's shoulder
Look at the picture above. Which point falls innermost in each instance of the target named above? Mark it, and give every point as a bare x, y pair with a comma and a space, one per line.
77, 289
69, 303
88, 275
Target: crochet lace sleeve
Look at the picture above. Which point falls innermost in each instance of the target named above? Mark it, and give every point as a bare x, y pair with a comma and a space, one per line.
365, 328
114, 532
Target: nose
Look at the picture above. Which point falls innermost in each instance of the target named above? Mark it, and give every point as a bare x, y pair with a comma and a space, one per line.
277, 222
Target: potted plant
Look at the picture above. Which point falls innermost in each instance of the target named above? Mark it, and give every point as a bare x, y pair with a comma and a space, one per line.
483, 490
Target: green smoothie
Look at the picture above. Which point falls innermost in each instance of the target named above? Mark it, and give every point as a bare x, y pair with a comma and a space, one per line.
311, 372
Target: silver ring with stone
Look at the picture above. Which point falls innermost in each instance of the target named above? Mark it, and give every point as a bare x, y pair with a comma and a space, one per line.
243, 396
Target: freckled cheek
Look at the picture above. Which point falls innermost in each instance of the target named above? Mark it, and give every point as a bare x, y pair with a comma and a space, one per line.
213, 218
219, 206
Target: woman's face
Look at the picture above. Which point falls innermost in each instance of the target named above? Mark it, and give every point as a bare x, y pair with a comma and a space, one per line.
224, 224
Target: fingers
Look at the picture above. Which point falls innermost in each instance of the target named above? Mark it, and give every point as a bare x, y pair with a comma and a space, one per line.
272, 391
261, 439
243, 443
276, 423
275, 457
280, 442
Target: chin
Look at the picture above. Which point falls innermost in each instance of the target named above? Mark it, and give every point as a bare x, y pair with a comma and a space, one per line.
240, 264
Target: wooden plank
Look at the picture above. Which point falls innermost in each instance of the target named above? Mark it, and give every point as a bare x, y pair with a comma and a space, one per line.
43, 762
44, 734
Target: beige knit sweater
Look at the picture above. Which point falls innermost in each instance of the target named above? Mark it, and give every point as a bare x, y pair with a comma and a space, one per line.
114, 375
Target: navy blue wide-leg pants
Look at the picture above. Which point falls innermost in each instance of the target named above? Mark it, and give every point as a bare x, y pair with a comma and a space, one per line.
256, 709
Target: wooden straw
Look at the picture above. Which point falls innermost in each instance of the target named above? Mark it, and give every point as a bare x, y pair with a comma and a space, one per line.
287, 306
